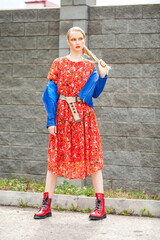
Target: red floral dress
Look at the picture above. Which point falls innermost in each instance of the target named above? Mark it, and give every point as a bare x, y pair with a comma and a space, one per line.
76, 150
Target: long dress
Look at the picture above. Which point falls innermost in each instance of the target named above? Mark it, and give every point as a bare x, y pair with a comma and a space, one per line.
76, 150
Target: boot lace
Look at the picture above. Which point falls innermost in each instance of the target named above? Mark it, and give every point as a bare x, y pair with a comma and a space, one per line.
98, 205
45, 203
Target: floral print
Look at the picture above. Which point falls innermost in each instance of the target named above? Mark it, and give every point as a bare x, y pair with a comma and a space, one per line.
76, 150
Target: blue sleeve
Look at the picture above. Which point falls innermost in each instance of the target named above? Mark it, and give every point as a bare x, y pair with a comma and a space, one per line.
50, 98
99, 86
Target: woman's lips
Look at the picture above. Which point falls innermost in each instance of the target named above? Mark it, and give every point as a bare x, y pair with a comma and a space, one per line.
78, 47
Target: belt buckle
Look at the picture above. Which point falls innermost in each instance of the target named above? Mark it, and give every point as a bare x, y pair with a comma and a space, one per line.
76, 98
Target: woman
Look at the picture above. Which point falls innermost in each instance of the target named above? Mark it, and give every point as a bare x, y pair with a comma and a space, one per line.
75, 148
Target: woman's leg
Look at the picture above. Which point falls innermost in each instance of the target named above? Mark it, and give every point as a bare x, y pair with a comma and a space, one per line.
51, 180
99, 211
97, 180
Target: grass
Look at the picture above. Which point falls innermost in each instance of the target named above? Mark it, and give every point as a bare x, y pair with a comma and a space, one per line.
25, 184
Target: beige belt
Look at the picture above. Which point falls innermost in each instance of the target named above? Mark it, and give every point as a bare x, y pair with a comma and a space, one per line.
71, 101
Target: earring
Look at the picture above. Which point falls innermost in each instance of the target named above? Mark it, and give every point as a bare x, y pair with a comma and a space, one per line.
83, 51
69, 50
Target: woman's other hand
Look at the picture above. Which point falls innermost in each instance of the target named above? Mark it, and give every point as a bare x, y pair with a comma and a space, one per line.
52, 130
103, 69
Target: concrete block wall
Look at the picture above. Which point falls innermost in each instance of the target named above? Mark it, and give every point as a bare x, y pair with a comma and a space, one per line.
127, 111
29, 42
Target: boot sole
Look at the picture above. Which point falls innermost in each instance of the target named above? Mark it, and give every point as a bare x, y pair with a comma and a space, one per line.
42, 217
97, 218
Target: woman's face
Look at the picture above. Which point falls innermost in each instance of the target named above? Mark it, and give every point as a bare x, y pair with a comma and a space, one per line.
76, 41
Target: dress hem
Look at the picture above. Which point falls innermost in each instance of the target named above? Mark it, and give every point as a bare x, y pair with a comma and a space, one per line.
62, 175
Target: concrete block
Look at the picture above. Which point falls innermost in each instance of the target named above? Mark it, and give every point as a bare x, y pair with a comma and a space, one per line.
6, 71
5, 16
40, 126
141, 115
24, 42
5, 97
102, 41
105, 99
84, 2
38, 28
145, 85
66, 3
22, 112
150, 187
151, 70
12, 29
105, 128
82, 24
150, 130
101, 12
150, 100
53, 28
11, 57
157, 145
113, 143
95, 27
126, 129
142, 56
156, 175
47, 15
114, 26
4, 125
34, 167
30, 153
128, 12
139, 144
47, 42
4, 138
26, 15
114, 114
64, 26
27, 97
126, 100
22, 126
127, 70
52, 54
150, 40
116, 55
9, 166
42, 70
151, 11
116, 85
128, 41
150, 160
63, 41
74, 12
122, 158
33, 56
138, 173
28, 70
40, 84
157, 115
5, 43
28, 139
5, 152
143, 26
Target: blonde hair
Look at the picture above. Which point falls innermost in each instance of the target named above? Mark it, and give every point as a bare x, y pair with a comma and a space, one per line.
86, 50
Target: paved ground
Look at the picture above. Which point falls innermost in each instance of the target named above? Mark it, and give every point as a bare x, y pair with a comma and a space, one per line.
18, 224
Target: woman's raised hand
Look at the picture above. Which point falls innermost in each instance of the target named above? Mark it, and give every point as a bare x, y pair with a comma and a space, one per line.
103, 68
52, 130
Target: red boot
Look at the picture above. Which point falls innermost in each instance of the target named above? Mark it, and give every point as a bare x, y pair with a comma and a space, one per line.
45, 210
99, 211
